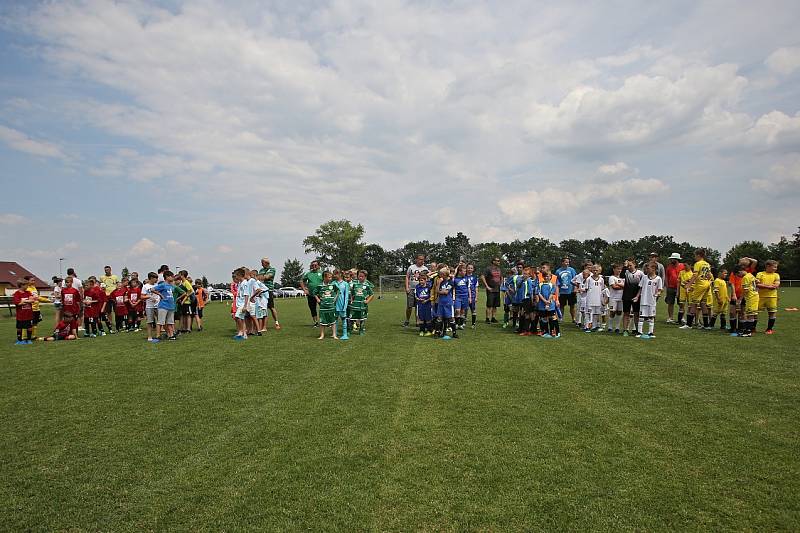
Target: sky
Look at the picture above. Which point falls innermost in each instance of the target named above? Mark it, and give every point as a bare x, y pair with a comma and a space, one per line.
209, 134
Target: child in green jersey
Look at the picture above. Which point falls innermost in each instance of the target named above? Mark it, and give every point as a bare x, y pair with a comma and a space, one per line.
326, 294
360, 297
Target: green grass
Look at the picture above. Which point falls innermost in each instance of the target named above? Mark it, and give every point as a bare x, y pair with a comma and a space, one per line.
693, 430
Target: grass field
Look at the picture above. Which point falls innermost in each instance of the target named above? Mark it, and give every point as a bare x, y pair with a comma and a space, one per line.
693, 430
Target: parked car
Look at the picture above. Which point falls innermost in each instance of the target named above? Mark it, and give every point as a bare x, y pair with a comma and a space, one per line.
289, 292
220, 294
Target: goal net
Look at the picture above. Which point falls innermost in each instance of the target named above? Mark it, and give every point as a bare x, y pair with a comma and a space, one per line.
395, 285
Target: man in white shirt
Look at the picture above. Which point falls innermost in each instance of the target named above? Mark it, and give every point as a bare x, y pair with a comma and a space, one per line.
412, 277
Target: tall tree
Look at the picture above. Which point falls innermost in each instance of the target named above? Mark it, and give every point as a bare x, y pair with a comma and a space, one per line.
376, 261
204, 282
292, 273
125, 272
456, 248
754, 249
484, 253
337, 243
572, 248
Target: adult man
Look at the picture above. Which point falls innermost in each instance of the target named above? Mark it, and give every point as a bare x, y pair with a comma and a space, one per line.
76, 281
566, 290
269, 280
109, 283
412, 278
630, 308
659, 267
492, 278
672, 281
309, 283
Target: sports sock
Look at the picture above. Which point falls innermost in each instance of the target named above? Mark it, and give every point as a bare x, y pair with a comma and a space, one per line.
753, 324
29, 331
689, 320
19, 335
713, 321
86, 324
771, 323
734, 324
705, 321
474, 318
680, 316
722, 322
651, 325
641, 325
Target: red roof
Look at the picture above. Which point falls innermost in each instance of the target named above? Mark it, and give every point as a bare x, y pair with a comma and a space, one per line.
10, 272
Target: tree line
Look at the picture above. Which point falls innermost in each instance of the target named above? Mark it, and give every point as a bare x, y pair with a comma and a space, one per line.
340, 243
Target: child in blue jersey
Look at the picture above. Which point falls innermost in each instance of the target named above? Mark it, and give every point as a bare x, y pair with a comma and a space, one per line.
422, 294
514, 288
523, 301
505, 291
342, 301
446, 291
462, 297
548, 302
472, 283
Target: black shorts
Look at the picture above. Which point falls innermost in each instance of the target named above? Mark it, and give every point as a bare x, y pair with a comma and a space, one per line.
570, 299
37, 317
192, 309
492, 299
672, 296
186, 309
627, 305
271, 302
24, 324
527, 307
200, 312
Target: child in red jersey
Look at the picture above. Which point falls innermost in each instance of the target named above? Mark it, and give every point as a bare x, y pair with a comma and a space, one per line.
70, 298
93, 301
119, 299
66, 329
23, 301
135, 305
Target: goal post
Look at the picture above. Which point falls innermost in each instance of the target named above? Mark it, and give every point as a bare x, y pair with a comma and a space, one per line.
395, 284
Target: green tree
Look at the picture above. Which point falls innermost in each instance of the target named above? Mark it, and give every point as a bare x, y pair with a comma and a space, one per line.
125, 272
754, 249
292, 273
204, 282
456, 248
337, 243
484, 253
376, 261
572, 248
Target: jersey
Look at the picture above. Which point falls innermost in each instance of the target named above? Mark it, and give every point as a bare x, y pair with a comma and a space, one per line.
342, 295
110, 283
95, 299
361, 291
472, 282
565, 276
118, 297
720, 288
764, 278
749, 289
615, 295
650, 288
446, 292
422, 292
546, 291
703, 271
327, 293
135, 298
70, 298
24, 310
462, 288
594, 291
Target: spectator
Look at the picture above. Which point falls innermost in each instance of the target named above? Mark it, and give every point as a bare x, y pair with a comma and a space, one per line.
412, 278
659, 267
269, 272
672, 282
566, 289
492, 278
309, 283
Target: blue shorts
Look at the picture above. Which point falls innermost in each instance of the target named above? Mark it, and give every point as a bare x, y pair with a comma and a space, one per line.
462, 302
424, 312
445, 310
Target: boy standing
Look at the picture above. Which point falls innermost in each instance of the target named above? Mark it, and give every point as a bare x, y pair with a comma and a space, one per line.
547, 299
721, 299
361, 297
325, 294
768, 283
616, 284
650, 289
24, 310
750, 300
70, 298
92, 304
422, 294
202, 299
446, 291
119, 297
166, 307
472, 283
151, 304
595, 286
342, 301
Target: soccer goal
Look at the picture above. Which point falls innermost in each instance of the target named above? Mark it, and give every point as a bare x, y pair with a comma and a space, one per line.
391, 285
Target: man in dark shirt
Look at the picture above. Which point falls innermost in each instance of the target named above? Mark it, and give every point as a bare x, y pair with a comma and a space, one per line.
492, 278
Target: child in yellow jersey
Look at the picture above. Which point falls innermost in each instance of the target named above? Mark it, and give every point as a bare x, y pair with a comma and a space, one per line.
750, 299
698, 288
768, 283
719, 307
683, 281
35, 300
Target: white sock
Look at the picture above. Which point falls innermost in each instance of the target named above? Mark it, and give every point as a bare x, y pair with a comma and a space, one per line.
641, 325
651, 325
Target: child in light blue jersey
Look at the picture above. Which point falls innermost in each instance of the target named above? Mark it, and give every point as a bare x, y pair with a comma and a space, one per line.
342, 301
462, 296
472, 283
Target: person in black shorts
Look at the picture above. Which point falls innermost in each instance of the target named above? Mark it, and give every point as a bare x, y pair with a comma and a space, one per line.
630, 309
492, 278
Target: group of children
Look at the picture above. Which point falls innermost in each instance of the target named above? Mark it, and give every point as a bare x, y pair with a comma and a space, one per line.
444, 298
161, 300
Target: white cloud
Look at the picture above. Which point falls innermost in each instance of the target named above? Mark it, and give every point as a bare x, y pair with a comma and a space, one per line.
144, 247
11, 219
20, 141
784, 61
614, 169
774, 131
783, 180
224, 249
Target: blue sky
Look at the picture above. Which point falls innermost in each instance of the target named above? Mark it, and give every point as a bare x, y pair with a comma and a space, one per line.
209, 134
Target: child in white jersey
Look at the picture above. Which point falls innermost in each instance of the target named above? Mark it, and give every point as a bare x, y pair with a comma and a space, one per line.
649, 290
595, 285
615, 285
580, 289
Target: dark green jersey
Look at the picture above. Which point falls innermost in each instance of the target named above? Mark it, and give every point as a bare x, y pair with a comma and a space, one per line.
327, 293
361, 291
270, 282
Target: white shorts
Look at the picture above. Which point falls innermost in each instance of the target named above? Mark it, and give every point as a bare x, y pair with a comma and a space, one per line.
596, 310
615, 305
243, 311
647, 311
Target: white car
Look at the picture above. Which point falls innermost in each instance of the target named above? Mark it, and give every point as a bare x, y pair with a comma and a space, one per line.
290, 292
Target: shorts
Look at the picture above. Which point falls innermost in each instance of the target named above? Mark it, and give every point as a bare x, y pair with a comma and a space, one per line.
152, 314
647, 311
568, 299
527, 307
492, 299
61, 337
462, 303
699, 294
200, 311
596, 310
166, 316
327, 317
424, 312
682, 296
192, 309
361, 314
411, 299
768, 304
186, 309
615, 305
24, 324
719, 308
37, 317
260, 312
630, 305
341, 314
270, 303
751, 305
672, 295
244, 311
445, 310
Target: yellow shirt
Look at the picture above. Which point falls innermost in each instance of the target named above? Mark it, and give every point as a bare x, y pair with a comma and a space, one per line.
749, 290
703, 271
768, 278
35, 293
110, 283
189, 291
721, 290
